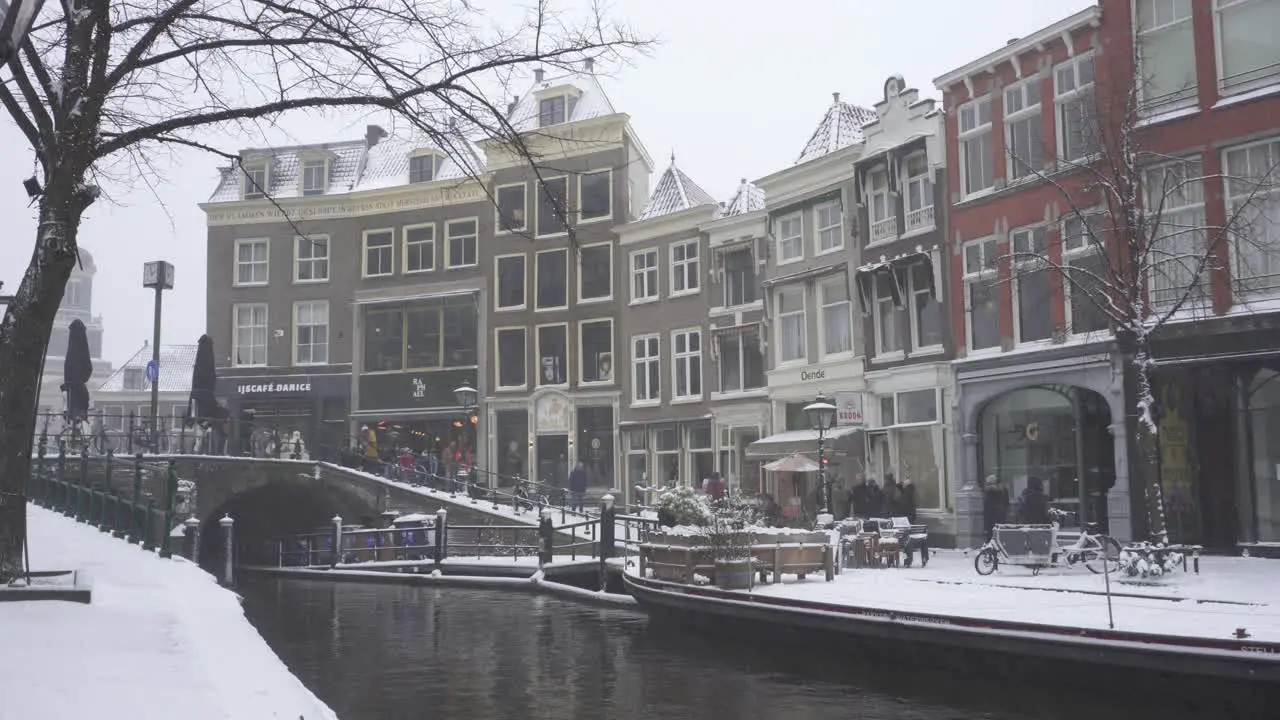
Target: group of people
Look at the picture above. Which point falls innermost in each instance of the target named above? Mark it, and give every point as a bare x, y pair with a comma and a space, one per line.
1033, 504
868, 499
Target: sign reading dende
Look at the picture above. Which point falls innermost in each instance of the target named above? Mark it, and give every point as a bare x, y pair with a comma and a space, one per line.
807, 375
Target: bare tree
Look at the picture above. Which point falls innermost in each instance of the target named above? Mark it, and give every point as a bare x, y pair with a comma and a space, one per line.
104, 86
1136, 251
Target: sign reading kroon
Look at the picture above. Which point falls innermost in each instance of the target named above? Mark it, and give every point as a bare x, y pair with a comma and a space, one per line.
273, 387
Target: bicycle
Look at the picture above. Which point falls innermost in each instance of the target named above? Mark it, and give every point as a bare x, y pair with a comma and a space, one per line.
1037, 547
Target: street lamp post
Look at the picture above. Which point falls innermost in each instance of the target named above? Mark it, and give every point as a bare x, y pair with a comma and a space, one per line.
822, 417
157, 275
16, 18
468, 397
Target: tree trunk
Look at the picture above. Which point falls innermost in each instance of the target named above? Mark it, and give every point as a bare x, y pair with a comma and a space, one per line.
1142, 419
24, 335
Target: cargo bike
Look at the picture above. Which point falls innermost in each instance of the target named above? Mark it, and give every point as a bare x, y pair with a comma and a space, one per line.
1040, 546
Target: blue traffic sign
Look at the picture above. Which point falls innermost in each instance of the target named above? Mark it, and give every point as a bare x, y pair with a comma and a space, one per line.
153, 371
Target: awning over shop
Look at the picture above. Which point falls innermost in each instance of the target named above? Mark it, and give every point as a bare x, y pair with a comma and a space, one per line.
801, 441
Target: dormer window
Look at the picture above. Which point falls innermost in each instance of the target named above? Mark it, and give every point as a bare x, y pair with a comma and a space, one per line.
556, 104
256, 179
422, 168
134, 378
315, 176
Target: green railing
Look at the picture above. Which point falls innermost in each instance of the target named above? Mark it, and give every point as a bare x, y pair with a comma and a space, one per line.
64, 485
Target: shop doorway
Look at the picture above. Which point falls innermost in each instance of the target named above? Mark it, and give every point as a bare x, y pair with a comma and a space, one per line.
553, 459
1057, 436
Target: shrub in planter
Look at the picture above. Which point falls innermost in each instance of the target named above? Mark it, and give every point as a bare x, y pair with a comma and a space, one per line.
731, 539
683, 506
1147, 562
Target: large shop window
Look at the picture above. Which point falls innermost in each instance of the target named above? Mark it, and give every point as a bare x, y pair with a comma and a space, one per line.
553, 354
595, 444
701, 458
741, 472
909, 444
1264, 419
421, 335
513, 445
741, 362
1031, 433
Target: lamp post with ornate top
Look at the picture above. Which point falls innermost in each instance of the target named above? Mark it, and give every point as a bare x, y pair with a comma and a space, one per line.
822, 417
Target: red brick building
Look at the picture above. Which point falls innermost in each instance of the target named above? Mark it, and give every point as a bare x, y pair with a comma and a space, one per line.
1039, 384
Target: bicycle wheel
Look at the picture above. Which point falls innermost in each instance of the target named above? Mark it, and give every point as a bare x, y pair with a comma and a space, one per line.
1102, 552
986, 562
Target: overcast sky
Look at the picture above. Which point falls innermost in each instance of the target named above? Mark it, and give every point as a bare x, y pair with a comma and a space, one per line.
734, 88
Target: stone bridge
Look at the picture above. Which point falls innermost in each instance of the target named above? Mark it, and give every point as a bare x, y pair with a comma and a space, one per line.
272, 498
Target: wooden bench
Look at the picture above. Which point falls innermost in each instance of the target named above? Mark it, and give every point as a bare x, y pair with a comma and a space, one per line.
678, 558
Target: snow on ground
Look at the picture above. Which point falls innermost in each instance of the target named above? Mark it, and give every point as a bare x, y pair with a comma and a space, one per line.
1229, 593
160, 640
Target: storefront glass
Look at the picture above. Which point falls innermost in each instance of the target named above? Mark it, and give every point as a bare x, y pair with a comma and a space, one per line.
701, 459
595, 445
740, 471
512, 432
1032, 432
637, 444
1264, 416
666, 448
421, 335
909, 445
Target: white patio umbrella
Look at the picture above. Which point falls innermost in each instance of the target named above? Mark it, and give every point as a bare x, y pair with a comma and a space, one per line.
792, 463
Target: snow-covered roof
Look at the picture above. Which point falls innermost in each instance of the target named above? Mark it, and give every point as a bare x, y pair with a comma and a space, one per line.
675, 192
840, 128
176, 364
748, 199
591, 101
354, 165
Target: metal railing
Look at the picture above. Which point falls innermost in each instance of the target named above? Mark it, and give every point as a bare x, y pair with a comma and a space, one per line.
130, 433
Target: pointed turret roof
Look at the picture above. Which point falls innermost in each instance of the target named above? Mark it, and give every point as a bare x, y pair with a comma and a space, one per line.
675, 192
840, 128
748, 199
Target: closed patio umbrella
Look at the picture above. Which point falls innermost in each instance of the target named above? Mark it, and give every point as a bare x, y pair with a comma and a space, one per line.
77, 368
202, 406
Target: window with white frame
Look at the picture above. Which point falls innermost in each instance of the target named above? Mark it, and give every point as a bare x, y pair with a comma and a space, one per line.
977, 153
837, 315
595, 272
419, 248
422, 168
646, 364
315, 176
595, 195
789, 313
981, 294
741, 362
511, 201
1023, 129
686, 364
311, 258
790, 233
460, 243
379, 252
739, 276
551, 290
553, 354
666, 450
553, 206
1177, 243
1253, 199
1248, 55
512, 361
684, 267
880, 210
644, 275
926, 313
1086, 272
510, 277
551, 111
1166, 53
256, 180
249, 341
1032, 309
829, 230
595, 350
311, 332
919, 206
1076, 110
890, 312
252, 261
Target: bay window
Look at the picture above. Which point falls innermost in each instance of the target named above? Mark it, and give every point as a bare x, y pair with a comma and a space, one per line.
1166, 54
1253, 199
981, 298
1033, 315
977, 153
1249, 56
790, 315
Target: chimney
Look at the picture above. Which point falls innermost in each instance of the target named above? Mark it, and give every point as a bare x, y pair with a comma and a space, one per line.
372, 134
589, 64
835, 97
539, 75
1012, 41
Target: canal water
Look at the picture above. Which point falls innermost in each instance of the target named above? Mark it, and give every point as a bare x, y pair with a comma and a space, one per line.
391, 652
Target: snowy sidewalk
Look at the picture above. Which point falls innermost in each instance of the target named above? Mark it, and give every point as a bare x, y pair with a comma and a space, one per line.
1229, 593
160, 640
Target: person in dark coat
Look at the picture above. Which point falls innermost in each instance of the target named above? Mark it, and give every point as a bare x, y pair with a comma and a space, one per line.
995, 504
857, 503
577, 485
875, 499
905, 503
1033, 503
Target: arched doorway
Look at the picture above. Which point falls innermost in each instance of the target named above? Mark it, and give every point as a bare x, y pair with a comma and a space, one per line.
1059, 434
